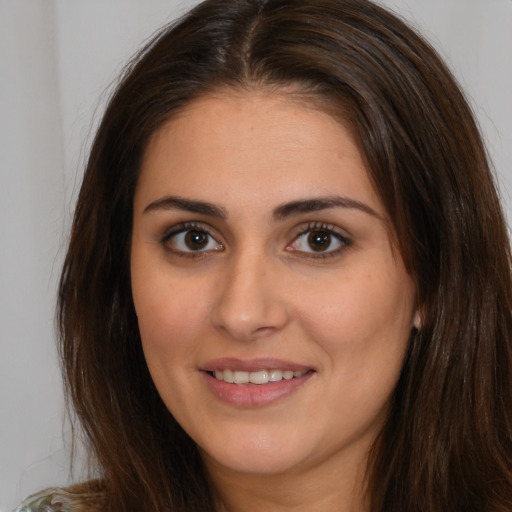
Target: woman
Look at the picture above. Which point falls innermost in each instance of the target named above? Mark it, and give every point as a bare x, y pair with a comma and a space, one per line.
288, 280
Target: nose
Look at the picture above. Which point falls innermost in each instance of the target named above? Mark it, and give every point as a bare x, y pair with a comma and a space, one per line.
251, 301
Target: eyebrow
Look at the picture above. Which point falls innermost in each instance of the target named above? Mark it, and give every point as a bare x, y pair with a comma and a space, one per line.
189, 205
321, 203
280, 213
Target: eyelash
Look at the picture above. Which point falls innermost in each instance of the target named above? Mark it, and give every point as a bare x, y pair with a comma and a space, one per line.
328, 229
184, 228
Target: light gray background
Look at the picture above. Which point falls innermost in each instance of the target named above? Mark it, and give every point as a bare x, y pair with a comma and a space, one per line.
57, 58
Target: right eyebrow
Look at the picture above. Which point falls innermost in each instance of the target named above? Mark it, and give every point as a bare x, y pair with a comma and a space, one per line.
321, 203
188, 205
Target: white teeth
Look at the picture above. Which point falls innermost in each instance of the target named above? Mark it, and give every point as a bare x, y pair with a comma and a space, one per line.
228, 376
260, 377
240, 377
275, 375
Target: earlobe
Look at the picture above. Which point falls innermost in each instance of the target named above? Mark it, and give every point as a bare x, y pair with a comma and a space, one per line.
418, 320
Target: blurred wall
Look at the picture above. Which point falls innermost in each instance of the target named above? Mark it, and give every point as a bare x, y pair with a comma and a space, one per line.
57, 57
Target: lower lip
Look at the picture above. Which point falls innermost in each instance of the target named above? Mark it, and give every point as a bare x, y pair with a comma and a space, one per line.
254, 395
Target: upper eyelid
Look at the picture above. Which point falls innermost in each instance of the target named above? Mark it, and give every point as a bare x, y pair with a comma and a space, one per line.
189, 225
327, 226
297, 231
343, 237
165, 238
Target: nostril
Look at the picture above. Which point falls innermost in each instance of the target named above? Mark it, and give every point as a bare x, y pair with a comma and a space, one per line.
248, 303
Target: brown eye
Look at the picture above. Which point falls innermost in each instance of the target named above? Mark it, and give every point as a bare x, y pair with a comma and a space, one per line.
196, 240
319, 240
190, 240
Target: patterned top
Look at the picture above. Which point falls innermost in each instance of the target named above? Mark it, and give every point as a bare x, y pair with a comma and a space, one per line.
84, 497
49, 500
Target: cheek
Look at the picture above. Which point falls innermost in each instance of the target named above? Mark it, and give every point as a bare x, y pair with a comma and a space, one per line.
368, 316
169, 324
169, 315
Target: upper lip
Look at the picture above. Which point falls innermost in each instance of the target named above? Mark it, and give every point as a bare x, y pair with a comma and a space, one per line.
252, 365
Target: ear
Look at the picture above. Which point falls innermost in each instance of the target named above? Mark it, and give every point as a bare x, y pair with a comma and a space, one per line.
417, 320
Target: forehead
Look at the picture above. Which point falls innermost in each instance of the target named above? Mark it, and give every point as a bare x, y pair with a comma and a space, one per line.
255, 144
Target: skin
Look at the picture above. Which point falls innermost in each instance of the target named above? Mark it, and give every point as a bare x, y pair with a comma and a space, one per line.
259, 289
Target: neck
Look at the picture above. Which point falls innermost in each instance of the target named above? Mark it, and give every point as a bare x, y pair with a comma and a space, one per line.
327, 487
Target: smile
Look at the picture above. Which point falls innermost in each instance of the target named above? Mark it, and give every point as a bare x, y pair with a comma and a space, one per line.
257, 377
255, 382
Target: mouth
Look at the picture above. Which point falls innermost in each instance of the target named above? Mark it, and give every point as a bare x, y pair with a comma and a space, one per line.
255, 383
258, 378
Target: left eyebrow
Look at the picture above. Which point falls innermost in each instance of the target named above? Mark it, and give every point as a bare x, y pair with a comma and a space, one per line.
189, 205
321, 203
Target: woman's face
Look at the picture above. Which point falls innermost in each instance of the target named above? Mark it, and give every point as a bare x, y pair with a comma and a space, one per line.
273, 307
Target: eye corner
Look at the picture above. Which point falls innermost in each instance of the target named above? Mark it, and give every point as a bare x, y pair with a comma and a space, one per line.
331, 242
190, 240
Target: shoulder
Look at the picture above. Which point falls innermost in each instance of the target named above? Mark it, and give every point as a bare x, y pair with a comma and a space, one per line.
78, 498
49, 500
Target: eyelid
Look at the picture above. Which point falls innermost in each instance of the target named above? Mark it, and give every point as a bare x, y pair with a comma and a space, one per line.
332, 229
183, 227
300, 230
325, 226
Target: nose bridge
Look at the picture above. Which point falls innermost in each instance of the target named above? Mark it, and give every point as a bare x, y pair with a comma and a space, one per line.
249, 303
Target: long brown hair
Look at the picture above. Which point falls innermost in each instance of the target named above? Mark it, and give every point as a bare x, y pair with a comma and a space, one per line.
447, 443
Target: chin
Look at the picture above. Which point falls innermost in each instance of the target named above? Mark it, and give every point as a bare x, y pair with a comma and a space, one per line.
261, 454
